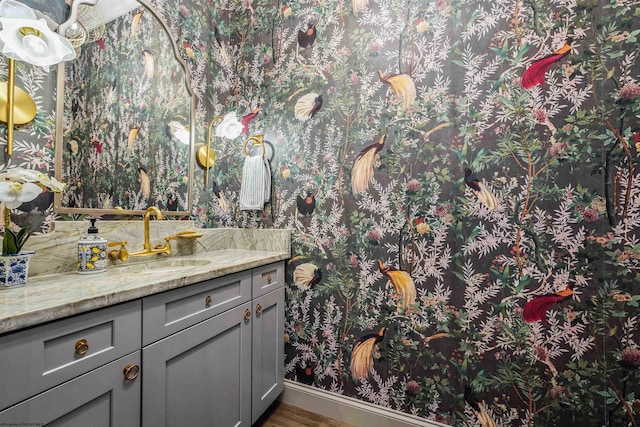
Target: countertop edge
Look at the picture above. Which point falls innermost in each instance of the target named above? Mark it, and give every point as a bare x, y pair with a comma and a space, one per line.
100, 300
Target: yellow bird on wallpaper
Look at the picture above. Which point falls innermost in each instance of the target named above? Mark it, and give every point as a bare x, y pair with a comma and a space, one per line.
402, 86
362, 171
359, 5
145, 182
362, 354
135, 23
131, 141
149, 64
402, 283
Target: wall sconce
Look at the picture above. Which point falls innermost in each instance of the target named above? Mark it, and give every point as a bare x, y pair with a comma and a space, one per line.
26, 38
205, 156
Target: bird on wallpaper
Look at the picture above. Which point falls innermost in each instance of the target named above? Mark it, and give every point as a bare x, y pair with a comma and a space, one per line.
480, 190
479, 408
306, 204
362, 354
97, 145
220, 196
223, 50
135, 23
536, 309
172, 204
359, 5
246, 119
308, 36
306, 275
362, 171
534, 74
402, 283
149, 64
402, 86
307, 106
305, 375
177, 132
145, 182
131, 140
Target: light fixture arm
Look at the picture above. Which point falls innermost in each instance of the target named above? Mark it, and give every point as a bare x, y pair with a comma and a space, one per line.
73, 18
10, 112
216, 119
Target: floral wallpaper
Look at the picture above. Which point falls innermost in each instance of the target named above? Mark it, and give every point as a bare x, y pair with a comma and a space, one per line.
461, 181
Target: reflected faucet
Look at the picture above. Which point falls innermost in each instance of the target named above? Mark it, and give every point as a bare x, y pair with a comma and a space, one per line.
160, 249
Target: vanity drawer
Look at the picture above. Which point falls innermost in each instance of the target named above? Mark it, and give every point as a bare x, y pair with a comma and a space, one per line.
172, 311
36, 359
267, 278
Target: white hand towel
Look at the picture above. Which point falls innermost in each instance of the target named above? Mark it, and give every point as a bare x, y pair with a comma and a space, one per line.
255, 189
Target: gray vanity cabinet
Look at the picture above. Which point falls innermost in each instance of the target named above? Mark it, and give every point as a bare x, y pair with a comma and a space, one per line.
102, 397
202, 375
267, 350
207, 354
224, 370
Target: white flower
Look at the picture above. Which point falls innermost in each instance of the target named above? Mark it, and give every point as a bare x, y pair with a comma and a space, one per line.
14, 193
22, 175
230, 127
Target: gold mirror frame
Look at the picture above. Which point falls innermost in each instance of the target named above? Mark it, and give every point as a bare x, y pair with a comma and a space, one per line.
59, 138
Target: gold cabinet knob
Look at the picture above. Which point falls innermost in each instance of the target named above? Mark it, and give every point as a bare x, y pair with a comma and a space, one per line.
269, 279
131, 372
258, 310
208, 301
81, 346
247, 314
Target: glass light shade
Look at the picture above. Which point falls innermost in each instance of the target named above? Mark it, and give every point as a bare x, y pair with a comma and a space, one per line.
32, 41
14, 9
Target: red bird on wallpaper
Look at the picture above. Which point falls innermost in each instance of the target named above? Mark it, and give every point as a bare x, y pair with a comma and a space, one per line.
536, 309
246, 119
534, 74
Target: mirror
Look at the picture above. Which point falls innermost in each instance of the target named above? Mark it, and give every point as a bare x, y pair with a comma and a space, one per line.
125, 110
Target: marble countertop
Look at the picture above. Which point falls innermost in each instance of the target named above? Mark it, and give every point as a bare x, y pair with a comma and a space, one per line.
54, 296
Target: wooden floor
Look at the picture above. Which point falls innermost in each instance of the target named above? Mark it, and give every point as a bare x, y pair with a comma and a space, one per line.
285, 415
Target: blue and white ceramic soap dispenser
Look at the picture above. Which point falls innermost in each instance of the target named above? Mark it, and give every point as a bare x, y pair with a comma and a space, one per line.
92, 251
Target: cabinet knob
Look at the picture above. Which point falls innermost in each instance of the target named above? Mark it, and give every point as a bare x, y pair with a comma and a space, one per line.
131, 372
258, 310
82, 346
208, 300
247, 314
269, 279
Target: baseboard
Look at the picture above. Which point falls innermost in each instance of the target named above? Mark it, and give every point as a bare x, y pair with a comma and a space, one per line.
347, 409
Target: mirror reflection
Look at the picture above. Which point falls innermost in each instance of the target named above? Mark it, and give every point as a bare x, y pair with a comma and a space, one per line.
126, 116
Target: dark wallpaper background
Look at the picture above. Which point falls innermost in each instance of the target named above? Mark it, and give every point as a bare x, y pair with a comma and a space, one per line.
406, 285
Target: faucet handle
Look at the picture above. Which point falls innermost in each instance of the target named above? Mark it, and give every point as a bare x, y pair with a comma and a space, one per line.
122, 254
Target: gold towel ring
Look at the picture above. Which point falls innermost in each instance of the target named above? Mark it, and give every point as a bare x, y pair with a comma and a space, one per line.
258, 140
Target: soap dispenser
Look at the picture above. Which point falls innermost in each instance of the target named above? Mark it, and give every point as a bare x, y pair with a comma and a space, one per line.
92, 251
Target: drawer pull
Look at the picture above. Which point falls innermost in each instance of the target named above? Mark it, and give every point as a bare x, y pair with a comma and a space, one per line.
247, 314
258, 310
82, 346
208, 300
269, 279
131, 372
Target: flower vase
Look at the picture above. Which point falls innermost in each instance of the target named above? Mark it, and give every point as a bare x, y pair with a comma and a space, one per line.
14, 269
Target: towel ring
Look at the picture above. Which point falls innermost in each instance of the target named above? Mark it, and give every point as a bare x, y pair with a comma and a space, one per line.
258, 141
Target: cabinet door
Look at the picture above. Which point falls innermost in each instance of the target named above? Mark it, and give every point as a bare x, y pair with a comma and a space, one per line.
102, 397
268, 351
200, 376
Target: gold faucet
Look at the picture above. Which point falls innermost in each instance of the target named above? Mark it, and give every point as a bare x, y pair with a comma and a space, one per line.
160, 249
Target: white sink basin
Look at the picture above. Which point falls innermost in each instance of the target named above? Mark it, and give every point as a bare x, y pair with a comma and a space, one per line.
163, 266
